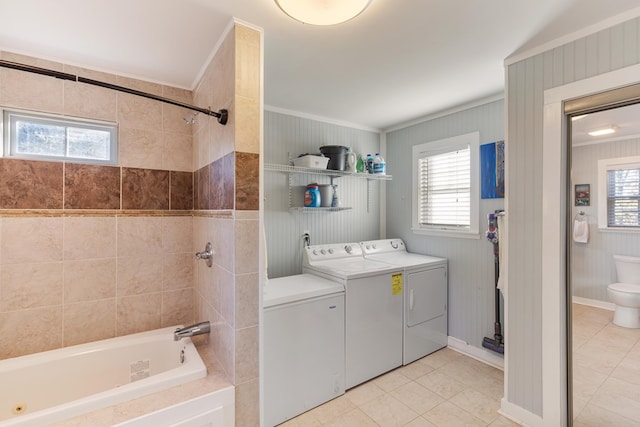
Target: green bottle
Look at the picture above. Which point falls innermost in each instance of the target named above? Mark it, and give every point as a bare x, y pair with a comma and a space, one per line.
360, 164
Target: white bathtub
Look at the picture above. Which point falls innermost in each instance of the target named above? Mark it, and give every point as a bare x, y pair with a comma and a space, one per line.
43, 388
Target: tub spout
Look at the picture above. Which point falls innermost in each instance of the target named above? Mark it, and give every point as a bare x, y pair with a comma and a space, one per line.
191, 330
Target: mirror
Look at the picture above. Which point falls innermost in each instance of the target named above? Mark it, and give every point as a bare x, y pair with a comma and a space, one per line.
603, 219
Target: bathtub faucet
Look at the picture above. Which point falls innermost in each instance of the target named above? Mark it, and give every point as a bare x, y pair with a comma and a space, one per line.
191, 330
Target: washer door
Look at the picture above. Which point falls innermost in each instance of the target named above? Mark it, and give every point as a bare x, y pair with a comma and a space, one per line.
426, 295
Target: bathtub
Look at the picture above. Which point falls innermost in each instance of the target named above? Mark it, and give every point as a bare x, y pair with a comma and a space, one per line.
47, 387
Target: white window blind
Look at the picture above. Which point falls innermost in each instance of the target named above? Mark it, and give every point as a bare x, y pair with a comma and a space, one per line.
623, 197
445, 189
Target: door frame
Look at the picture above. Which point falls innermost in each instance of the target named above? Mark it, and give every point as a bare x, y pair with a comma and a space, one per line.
554, 262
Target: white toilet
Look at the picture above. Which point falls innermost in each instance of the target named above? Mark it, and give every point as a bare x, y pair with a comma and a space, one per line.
626, 293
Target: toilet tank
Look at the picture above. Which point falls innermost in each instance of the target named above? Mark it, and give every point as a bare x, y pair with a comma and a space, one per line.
627, 269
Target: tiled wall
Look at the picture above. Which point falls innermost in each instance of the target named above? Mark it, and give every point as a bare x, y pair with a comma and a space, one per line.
226, 160
90, 252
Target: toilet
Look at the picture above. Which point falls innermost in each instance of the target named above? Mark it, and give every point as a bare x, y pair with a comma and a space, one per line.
626, 293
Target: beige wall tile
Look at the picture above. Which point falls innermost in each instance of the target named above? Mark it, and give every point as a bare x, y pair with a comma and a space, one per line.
246, 247
101, 107
177, 152
31, 91
247, 68
30, 285
247, 306
138, 313
248, 404
89, 321
177, 307
177, 234
139, 275
246, 354
248, 132
177, 271
136, 112
224, 345
141, 148
173, 119
222, 232
30, 331
89, 237
139, 236
25, 239
89, 280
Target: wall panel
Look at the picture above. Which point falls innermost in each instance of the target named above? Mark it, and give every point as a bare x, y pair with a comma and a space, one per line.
601, 52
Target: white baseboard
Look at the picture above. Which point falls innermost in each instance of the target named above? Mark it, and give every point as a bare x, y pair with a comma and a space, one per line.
481, 354
519, 415
594, 303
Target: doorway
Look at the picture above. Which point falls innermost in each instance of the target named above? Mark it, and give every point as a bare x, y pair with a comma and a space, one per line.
555, 369
602, 221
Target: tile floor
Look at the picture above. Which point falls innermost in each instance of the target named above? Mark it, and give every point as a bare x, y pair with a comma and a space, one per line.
606, 370
445, 388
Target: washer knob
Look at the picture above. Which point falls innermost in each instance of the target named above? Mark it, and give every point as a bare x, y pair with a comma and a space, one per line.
315, 252
394, 245
348, 249
330, 251
373, 246
322, 251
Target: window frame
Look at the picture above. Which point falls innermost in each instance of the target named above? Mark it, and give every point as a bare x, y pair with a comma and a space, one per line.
604, 166
471, 140
8, 143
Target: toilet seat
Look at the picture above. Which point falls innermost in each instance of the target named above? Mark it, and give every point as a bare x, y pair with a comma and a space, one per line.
631, 288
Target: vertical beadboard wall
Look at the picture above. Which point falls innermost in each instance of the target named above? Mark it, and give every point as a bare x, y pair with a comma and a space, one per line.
471, 262
288, 136
527, 79
592, 264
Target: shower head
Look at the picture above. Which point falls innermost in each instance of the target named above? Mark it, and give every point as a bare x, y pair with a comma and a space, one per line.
191, 118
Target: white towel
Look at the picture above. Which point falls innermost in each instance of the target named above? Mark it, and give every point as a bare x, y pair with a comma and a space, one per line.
502, 282
581, 231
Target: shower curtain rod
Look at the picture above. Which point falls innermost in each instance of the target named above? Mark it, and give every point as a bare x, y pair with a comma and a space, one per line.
222, 115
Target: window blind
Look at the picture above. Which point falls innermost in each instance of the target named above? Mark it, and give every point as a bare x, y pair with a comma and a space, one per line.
445, 189
623, 198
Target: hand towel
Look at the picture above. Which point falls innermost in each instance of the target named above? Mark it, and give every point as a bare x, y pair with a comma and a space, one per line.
581, 231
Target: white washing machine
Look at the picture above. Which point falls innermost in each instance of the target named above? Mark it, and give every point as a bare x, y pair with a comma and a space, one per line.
304, 362
425, 296
373, 307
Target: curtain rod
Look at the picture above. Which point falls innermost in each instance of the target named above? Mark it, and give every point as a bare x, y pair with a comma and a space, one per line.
222, 115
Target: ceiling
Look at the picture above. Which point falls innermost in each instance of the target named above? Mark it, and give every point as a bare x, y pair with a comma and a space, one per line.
398, 61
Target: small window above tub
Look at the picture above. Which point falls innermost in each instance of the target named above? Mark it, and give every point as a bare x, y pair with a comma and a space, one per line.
38, 136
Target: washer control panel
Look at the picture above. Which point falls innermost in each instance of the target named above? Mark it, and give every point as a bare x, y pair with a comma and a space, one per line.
382, 246
332, 251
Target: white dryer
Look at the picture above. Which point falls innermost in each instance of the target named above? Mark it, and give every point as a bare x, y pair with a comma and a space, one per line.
373, 307
303, 345
425, 296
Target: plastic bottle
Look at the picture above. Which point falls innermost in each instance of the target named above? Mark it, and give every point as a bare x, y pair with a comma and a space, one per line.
379, 165
369, 163
335, 202
312, 196
360, 164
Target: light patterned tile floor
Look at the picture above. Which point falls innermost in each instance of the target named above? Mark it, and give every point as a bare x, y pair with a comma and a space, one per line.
449, 389
445, 388
606, 370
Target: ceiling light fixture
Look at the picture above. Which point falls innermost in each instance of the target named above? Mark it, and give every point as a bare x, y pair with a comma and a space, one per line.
322, 12
602, 131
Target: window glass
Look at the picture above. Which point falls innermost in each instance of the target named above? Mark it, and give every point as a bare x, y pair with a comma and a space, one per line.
446, 190
35, 136
623, 196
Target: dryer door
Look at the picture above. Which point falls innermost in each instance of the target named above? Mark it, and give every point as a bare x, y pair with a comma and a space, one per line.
426, 295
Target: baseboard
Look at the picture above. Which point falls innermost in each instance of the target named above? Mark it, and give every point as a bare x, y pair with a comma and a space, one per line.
594, 303
481, 354
519, 415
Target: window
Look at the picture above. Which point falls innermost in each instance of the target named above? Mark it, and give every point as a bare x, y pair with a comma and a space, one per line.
619, 193
445, 196
37, 136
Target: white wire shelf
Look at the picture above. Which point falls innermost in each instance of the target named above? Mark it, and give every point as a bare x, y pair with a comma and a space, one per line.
320, 209
329, 172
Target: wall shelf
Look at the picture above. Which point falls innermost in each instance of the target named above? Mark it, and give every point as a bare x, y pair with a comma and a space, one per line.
320, 209
295, 170
329, 172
